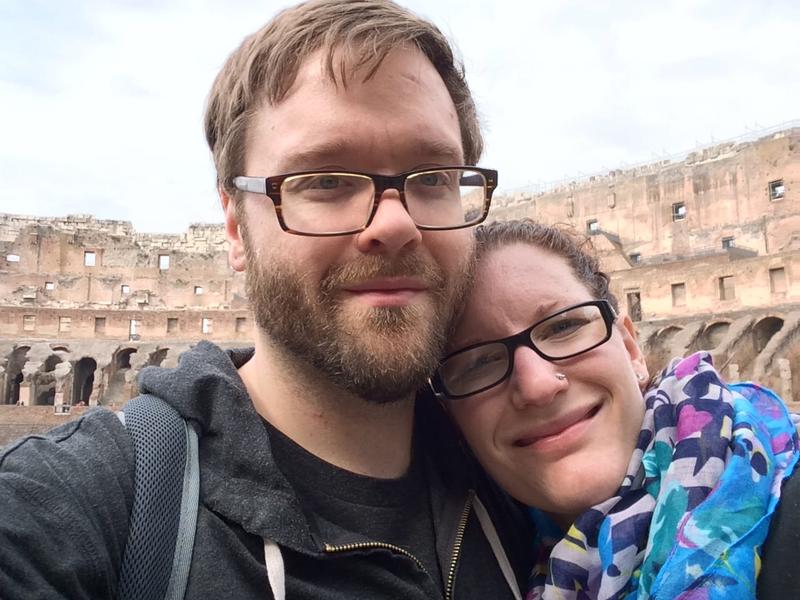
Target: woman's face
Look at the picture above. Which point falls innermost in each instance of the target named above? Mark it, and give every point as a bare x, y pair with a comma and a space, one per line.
561, 445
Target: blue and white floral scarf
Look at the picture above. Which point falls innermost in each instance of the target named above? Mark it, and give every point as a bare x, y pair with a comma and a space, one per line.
693, 511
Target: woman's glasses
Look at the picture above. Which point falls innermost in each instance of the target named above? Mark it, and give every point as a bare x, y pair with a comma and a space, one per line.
564, 334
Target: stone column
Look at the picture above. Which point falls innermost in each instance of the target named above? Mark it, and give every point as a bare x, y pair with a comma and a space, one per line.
733, 372
99, 386
25, 393
61, 374
785, 379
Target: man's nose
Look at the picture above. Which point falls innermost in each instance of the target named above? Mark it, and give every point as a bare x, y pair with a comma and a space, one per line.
534, 381
391, 228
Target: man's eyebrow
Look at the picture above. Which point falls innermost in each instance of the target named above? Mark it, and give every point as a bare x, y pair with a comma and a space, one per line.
438, 150
319, 155
332, 153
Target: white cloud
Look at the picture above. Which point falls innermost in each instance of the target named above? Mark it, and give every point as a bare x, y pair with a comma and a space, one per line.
108, 119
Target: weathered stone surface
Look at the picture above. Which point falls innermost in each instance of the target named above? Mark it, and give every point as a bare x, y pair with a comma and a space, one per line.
85, 304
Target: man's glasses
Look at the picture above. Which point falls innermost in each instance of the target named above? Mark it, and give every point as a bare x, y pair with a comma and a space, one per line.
567, 333
327, 203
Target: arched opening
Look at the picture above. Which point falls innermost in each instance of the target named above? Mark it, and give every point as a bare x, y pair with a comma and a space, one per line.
753, 344
59, 348
44, 381
713, 335
14, 394
122, 360
50, 363
156, 358
660, 348
116, 390
83, 380
763, 332
14, 378
46, 397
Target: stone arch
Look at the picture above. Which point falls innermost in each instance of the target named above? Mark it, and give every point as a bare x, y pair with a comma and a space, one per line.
157, 357
51, 362
44, 380
660, 348
14, 377
763, 332
118, 390
752, 344
83, 380
712, 336
122, 358
46, 397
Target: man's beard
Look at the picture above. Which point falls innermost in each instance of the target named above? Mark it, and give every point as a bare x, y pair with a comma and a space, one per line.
381, 354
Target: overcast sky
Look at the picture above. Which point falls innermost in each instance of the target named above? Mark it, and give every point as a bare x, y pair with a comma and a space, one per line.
101, 102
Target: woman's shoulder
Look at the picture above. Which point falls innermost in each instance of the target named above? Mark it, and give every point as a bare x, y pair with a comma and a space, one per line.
779, 575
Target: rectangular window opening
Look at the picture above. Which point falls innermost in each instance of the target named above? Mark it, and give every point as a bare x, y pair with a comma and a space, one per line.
776, 189
64, 324
592, 226
634, 305
635, 258
678, 294
12, 258
206, 325
28, 322
100, 325
728, 242
125, 289
163, 262
241, 324
49, 285
198, 290
777, 280
89, 258
172, 324
679, 211
727, 289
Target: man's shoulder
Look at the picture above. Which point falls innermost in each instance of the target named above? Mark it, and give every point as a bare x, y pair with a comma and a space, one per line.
66, 496
94, 421
83, 449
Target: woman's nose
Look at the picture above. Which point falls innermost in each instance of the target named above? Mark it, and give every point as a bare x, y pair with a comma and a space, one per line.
535, 381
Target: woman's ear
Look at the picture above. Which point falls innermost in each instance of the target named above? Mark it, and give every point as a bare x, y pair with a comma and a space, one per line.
635, 353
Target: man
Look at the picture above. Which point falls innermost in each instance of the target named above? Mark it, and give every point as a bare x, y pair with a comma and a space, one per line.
330, 128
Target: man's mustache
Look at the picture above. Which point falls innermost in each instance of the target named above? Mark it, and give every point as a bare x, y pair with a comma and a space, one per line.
366, 268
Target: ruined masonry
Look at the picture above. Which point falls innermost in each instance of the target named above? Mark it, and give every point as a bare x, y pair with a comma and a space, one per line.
703, 252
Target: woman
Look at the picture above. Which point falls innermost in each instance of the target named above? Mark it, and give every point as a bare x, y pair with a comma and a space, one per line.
658, 487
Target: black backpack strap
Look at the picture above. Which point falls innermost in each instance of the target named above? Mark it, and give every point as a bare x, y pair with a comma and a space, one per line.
158, 552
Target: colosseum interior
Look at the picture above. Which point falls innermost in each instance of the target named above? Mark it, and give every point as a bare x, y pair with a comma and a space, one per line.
702, 252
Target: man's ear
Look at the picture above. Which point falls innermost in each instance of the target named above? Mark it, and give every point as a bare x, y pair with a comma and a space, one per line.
236, 254
632, 346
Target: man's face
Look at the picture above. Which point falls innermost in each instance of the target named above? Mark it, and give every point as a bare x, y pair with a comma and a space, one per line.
368, 311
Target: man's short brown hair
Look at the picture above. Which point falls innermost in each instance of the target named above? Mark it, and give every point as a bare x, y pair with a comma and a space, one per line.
354, 35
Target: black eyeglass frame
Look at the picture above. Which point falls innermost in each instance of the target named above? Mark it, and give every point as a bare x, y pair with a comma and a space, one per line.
523, 338
271, 187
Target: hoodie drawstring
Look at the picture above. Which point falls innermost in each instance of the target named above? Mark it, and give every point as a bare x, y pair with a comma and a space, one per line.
277, 577
275, 570
497, 547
